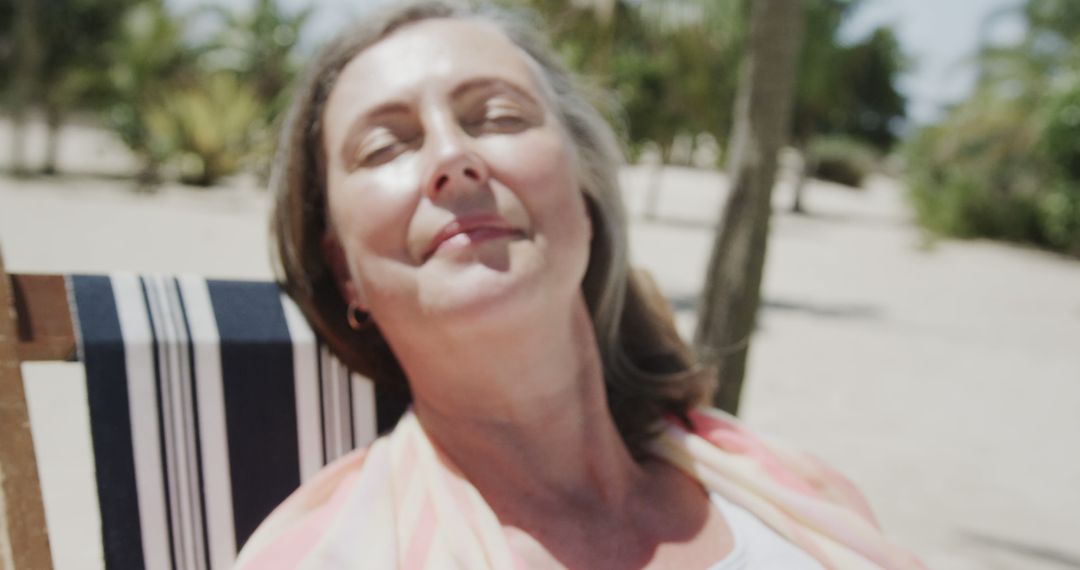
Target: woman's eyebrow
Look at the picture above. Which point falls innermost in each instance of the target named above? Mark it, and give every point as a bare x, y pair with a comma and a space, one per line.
490, 83
352, 135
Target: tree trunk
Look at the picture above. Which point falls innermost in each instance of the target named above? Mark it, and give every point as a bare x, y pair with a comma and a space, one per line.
655, 183
53, 120
806, 167
762, 120
27, 61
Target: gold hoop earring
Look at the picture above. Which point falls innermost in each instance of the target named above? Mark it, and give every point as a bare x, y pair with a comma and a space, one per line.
357, 319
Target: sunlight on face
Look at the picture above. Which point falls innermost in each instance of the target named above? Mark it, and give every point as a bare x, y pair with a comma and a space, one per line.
451, 184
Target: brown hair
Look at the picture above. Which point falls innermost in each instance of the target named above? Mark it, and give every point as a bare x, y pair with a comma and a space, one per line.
648, 372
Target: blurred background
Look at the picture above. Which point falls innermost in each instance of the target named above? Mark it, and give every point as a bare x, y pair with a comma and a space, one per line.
920, 318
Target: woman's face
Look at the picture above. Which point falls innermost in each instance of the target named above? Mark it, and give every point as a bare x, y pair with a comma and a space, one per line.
452, 187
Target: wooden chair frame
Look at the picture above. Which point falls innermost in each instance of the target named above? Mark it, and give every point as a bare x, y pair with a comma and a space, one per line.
35, 325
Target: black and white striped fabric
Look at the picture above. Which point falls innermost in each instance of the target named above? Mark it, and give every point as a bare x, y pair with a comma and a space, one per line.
210, 401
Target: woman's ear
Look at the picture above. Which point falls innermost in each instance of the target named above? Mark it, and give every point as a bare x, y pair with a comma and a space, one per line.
347, 286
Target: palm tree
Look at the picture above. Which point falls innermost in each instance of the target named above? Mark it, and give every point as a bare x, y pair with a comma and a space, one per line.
210, 125
27, 52
259, 45
701, 42
146, 59
762, 120
843, 90
61, 50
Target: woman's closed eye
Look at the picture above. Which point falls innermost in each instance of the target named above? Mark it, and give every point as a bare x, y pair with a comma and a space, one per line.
498, 116
382, 145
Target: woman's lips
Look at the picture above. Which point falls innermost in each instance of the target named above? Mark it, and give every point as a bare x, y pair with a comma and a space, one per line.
464, 232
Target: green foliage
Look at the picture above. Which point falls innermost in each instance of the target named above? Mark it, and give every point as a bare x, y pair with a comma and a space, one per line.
73, 35
7, 43
69, 36
134, 61
147, 58
1006, 163
695, 48
983, 173
672, 68
662, 67
207, 128
53, 55
958, 190
259, 46
1059, 217
669, 66
205, 109
875, 107
847, 89
1061, 137
842, 159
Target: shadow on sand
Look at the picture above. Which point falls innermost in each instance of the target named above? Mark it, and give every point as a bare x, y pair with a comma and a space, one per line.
1034, 551
823, 310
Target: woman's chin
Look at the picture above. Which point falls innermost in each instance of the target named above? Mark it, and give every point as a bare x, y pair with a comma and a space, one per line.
477, 290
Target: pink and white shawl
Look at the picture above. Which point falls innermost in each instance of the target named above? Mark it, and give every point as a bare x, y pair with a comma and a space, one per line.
401, 503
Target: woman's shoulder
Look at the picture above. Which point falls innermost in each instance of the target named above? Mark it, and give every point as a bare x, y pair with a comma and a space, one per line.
793, 468
293, 530
800, 497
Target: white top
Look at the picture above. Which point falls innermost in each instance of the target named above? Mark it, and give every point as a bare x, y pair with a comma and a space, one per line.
756, 545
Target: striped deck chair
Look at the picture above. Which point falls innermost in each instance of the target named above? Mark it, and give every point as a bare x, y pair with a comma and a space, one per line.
208, 403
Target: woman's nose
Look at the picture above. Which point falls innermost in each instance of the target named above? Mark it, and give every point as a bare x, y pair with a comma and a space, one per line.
460, 172
456, 166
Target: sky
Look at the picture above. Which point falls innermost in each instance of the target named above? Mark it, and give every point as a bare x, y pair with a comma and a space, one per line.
939, 36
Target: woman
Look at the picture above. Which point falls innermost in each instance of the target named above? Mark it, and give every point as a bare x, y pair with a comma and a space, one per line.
449, 220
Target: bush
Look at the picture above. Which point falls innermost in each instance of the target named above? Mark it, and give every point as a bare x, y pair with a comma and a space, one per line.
843, 160
985, 172
1006, 162
1061, 135
206, 130
1059, 218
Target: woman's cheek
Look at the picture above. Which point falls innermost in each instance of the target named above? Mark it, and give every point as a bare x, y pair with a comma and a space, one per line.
538, 161
378, 207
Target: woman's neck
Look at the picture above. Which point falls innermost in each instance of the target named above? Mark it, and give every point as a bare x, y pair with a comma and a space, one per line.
523, 414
